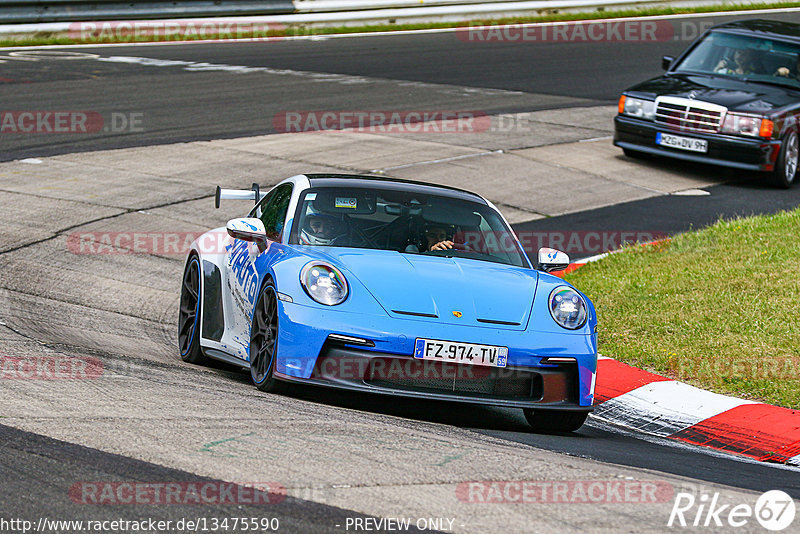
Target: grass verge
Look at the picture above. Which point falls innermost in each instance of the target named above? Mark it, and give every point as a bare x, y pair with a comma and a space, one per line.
42, 39
717, 308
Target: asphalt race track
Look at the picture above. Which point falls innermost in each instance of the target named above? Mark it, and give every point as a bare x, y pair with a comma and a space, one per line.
209, 104
41, 471
341, 459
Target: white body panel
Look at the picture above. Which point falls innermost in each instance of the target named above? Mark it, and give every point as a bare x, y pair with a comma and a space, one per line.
239, 281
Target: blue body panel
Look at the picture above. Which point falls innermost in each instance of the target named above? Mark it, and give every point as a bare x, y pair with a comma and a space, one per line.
499, 305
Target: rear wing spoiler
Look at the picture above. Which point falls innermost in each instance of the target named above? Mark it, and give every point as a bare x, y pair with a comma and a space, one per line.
253, 194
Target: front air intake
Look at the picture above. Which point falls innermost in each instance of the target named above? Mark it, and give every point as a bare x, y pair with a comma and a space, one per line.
689, 115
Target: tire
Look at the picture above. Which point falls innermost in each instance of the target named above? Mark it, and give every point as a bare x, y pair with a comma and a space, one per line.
189, 315
786, 167
634, 154
554, 420
264, 339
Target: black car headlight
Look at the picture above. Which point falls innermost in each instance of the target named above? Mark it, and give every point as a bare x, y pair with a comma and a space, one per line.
567, 308
324, 283
637, 107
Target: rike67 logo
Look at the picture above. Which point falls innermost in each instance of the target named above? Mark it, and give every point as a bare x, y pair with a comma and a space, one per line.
774, 510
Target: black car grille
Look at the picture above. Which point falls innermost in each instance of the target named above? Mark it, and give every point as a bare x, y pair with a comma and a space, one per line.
344, 365
446, 378
692, 116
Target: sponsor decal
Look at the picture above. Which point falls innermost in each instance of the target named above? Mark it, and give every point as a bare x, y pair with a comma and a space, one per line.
350, 203
244, 271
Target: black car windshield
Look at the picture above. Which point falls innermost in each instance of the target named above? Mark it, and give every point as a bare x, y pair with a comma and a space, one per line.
745, 57
405, 221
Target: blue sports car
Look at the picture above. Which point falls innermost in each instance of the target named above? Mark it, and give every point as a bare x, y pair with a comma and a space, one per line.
390, 287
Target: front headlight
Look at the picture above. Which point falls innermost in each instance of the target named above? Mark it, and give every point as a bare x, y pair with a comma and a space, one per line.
637, 107
568, 308
324, 283
753, 126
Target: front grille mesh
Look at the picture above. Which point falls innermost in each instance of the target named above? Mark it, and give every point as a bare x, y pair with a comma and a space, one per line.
689, 115
453, 378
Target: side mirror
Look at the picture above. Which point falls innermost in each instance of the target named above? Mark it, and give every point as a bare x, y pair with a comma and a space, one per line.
247, 229
666, 62
551, 259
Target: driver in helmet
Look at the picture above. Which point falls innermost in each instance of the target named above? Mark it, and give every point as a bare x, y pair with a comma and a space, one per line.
320, 229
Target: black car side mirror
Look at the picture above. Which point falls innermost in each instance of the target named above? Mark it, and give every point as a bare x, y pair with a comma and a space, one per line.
666, 62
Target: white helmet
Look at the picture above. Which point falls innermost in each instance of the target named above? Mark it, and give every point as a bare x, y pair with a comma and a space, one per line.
319, 229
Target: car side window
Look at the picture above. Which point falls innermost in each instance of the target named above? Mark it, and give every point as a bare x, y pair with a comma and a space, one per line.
272, 210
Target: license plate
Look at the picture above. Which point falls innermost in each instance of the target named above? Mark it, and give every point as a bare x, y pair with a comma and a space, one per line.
682, 143
467, 353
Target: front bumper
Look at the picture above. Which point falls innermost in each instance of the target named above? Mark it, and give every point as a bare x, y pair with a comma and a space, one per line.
725, 150
548, 387
306, 354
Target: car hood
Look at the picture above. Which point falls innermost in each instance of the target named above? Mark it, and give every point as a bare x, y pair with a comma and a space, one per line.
436, 288
735, 95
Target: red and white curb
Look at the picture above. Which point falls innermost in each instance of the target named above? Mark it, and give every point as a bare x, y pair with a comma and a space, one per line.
578, 264
657, 405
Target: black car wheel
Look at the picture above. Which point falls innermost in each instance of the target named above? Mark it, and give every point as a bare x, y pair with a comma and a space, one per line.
786, 166
264, 340
555, 420
189, 315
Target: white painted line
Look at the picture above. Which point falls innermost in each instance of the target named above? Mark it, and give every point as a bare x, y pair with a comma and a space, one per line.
434, 161
590, 259
314, 76
691, 193
666, 407
36, 55
603, 138
31, 161
9, 28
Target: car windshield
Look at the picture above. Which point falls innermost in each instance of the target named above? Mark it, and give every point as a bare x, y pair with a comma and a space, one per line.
404, 221
745, 57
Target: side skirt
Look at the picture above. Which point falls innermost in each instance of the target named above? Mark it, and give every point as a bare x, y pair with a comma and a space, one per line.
225, 357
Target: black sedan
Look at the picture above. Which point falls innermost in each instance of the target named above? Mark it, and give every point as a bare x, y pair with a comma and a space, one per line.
732, 98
